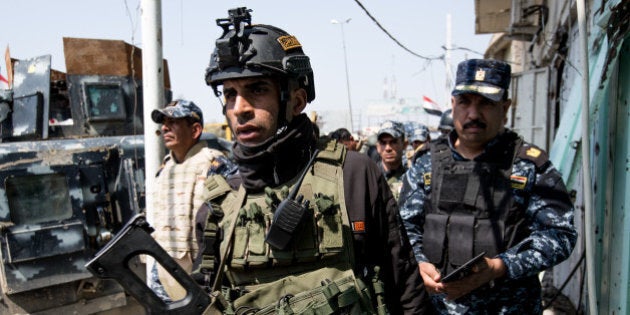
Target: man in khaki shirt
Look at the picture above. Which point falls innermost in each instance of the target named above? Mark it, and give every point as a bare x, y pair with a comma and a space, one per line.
179, 190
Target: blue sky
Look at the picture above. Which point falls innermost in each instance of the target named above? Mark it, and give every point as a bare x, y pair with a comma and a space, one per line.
34, 28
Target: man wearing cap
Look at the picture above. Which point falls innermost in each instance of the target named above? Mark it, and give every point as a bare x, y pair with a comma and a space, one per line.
483, 190
390, 146
179, 188
419, 140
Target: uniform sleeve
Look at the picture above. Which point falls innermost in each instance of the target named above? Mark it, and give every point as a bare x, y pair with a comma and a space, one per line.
210, 162
386, 244
549, 218
411, 203
410, 290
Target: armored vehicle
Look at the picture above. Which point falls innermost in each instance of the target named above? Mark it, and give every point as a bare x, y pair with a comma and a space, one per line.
71, 175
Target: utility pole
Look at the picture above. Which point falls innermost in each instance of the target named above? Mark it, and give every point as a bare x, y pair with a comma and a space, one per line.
153, 98
345, 58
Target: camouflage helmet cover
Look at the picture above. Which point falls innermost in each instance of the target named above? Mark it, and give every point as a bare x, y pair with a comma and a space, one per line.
178, 109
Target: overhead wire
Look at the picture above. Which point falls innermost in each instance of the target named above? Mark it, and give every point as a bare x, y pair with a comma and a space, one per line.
440, 57
393, 38
462, 48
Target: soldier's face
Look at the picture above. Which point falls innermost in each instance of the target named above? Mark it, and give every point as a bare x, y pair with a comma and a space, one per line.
477, 119
390, 149
179, 134
252, 108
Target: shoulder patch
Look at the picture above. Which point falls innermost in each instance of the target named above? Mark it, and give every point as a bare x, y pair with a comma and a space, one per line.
427, 179
358, 227
288, 42
533, 153
518, 182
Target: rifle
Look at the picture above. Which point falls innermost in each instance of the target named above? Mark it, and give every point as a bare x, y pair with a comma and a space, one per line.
112, 262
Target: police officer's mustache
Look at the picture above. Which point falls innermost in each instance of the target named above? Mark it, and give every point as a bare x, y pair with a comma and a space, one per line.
474, 123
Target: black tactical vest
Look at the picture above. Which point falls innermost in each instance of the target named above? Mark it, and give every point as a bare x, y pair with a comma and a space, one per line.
470, 209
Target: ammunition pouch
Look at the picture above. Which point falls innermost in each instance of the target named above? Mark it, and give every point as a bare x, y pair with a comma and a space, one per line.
207, 231
303, 294
313, 274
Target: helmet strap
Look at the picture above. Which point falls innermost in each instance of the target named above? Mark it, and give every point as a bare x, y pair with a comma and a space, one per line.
218, 94
285, 97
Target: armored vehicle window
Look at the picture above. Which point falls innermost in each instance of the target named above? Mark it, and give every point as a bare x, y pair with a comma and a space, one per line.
60, 113
38, 198
105, 102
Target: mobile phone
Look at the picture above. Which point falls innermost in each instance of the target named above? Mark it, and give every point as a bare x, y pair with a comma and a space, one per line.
464, 270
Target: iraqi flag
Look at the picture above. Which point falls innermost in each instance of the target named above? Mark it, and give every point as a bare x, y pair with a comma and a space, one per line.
4, 83
430, 106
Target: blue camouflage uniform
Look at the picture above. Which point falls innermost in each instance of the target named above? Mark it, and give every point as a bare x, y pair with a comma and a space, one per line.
548, 219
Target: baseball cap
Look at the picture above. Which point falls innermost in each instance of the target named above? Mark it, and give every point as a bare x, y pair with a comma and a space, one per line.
420, 134
178, 109
392, 128
486, 77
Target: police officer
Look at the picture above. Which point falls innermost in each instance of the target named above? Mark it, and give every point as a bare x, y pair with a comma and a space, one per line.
419, 139
446, 122
483, 189
390, 145
349, 252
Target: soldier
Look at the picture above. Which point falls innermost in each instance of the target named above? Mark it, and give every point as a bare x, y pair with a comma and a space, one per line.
418, 139
345, 249
179, 189
390, 145
483, 189
446, 122
344, 136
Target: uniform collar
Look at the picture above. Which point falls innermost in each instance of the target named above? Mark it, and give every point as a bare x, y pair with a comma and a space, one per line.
491, 146
392, 173
191, 152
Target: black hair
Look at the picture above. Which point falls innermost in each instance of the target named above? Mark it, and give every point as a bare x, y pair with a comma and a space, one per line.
341, 134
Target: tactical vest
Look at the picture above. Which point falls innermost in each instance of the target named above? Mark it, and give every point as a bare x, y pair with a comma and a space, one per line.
470, 208
314, 274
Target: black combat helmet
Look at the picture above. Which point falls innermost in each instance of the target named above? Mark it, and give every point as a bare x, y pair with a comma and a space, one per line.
446, 120
246, 50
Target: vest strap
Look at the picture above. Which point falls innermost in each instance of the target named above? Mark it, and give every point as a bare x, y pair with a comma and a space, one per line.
216, 186
237, 203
